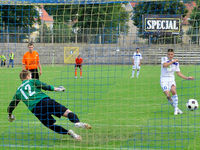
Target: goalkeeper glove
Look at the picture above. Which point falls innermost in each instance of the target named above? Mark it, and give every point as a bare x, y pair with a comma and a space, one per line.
60, 89
11, 118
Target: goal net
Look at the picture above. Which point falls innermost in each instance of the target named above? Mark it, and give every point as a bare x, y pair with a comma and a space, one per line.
117, 87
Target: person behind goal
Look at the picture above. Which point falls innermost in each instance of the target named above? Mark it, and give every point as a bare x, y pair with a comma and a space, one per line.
31, 62
137, 59
78, 64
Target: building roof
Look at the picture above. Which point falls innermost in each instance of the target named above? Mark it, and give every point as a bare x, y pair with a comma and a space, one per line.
133, 4
44, 16
189, 6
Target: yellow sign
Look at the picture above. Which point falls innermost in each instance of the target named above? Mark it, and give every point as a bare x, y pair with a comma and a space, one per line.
70, 53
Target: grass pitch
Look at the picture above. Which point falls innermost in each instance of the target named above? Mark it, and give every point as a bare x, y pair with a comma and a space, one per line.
125, 113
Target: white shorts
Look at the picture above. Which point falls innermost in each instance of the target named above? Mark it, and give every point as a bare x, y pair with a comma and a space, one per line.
167, 84
136, 66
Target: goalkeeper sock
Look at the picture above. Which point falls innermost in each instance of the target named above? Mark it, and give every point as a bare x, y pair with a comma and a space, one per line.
58, 129
133, 72
175, 101
73, 117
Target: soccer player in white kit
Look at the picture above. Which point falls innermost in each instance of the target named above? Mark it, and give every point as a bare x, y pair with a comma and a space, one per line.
167, 79
137, 57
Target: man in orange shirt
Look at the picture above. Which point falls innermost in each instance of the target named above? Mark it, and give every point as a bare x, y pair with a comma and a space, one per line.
78, 62
31, 62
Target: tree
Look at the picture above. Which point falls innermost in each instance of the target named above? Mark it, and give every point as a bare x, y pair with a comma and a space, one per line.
194, 22
157, 7
90, 19
45, 34
15, 18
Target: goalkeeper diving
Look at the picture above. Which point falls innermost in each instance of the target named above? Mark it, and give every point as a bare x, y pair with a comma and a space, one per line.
42, 106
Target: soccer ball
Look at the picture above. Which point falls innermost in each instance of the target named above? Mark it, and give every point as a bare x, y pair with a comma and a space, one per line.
192, 104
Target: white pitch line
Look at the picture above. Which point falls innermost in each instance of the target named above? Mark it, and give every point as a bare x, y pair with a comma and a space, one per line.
25, 146
36, 146
118, 125
74, 147
54, 147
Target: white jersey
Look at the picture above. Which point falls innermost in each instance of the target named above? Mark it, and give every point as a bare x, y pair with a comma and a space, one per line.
137, 57
167, 73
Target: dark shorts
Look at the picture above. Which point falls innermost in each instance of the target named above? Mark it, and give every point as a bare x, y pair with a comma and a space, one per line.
77, 65
46, 108
34, 73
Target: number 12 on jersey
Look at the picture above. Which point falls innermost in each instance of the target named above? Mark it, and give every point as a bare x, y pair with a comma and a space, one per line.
27, 88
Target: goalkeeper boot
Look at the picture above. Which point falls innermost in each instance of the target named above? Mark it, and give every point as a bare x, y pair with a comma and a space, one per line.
83, 125
74, 135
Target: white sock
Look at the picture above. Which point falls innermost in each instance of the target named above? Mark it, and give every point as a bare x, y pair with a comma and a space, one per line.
138, 72
170, 101
175, 101
133, 72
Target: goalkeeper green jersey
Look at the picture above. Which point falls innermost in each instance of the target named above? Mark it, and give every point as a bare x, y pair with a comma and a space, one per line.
30, 93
